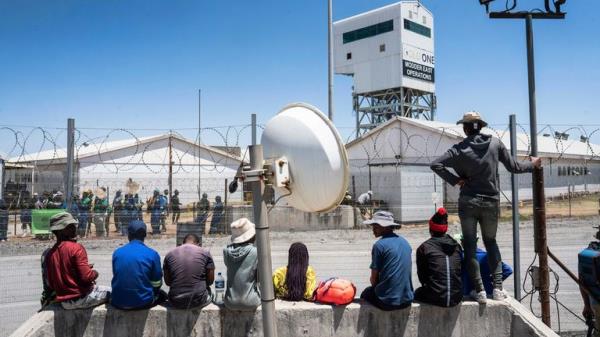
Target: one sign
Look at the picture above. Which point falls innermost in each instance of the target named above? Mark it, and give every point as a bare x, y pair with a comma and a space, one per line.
40, 220
418, 71
418, 63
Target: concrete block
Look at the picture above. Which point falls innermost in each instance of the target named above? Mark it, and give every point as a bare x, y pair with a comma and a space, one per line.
299, 319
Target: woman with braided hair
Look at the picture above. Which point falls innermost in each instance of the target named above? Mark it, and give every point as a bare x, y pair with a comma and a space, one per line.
297, 281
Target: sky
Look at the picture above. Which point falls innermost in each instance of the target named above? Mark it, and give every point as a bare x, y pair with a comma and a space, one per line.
139, 64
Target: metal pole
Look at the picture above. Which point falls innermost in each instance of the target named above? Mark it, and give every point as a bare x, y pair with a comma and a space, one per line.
515, 211
330, 58
253, 127
263, 245
70, 160
170, 181
199, 142
2, 172
539, 202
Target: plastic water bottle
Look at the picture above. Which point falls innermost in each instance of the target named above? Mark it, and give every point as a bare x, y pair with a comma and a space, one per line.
219, 289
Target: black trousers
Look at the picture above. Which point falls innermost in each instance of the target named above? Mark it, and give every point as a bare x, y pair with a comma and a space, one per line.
369, 295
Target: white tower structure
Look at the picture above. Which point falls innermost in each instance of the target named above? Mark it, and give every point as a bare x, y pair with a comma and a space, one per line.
389, 53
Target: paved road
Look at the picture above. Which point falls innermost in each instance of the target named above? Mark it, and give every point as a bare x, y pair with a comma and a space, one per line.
344, 254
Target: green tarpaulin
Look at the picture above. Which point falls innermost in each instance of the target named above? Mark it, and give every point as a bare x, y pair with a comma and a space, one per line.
40, 220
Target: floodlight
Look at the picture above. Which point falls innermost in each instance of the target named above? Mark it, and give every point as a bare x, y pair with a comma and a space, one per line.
486, 3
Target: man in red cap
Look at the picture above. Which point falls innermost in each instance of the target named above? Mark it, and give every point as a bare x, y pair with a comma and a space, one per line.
439, 265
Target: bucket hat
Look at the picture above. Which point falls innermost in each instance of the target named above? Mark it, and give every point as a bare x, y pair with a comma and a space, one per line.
382, 218
242, 230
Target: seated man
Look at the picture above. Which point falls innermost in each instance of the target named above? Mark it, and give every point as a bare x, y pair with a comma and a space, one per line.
391, 284
484, 270
241, 260
66, 272
189, 271
137, 275
439, 265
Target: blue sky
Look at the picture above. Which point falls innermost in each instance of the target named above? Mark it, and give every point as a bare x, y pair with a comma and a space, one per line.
139, 64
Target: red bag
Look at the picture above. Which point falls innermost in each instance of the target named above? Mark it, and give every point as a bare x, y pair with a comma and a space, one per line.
335, 291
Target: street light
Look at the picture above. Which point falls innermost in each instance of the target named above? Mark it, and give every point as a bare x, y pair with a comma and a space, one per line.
539, 206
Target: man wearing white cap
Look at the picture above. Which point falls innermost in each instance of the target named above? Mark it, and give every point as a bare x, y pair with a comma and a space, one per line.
391, 283
241, 259
475, 161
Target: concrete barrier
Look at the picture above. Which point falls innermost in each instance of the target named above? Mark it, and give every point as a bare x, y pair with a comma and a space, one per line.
499, 319
287, 218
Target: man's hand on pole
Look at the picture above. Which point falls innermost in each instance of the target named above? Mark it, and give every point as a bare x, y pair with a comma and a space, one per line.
536, 161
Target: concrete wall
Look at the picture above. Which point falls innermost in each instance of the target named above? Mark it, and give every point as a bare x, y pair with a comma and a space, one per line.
293, 319
287, 218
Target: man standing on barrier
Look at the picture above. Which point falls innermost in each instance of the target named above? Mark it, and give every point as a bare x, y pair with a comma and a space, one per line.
475, 161
589, 271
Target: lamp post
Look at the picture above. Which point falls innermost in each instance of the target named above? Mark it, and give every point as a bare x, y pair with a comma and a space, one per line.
539, 204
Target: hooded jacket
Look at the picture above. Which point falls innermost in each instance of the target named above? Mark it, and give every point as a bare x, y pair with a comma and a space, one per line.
475, 160
242, 280
439, 271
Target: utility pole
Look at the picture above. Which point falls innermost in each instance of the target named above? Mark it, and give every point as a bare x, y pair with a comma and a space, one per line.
170, 167
515, 210
199, 142
70, 161
330, 58
539, 200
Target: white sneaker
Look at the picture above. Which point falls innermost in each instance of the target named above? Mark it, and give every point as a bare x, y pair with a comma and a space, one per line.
499, 295
480, 297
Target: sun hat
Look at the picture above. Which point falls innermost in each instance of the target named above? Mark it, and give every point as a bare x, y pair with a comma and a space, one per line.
382, 218
472, 117
61, 220
439, 221
242, 230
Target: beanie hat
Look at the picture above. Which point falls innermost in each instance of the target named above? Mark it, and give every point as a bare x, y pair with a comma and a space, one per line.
439, 221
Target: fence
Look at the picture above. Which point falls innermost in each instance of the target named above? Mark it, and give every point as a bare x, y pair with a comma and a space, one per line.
394, 165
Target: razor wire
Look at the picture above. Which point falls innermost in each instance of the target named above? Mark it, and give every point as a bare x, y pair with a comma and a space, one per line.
44, 147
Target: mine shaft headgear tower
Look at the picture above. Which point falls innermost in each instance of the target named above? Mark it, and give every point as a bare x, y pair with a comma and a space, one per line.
389, 53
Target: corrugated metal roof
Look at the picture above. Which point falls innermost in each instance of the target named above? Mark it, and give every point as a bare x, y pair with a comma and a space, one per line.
103, 147
548, 146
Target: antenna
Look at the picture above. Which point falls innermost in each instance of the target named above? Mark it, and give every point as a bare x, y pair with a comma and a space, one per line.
302, 155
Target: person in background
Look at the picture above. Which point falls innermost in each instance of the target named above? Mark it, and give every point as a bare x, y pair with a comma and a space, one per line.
189, 271
175, 207
100, 212
129, 213
297, 281
25, 216
39, 204
139, 204
391, 283
156, 208
117, 206
68, 275
56, 201
137, 274
439, 265
3, 221
475, 161
484, 270
217, 214
241, 260
203, 209
84, 213
164, 200
74, 210
365, 204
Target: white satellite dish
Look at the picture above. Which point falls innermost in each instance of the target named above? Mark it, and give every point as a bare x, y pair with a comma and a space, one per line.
309, 160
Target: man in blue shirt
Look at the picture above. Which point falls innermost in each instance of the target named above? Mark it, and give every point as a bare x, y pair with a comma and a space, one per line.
137, 274
391, 284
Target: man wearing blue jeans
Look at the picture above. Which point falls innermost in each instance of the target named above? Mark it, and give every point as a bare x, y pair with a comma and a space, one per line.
475, 161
